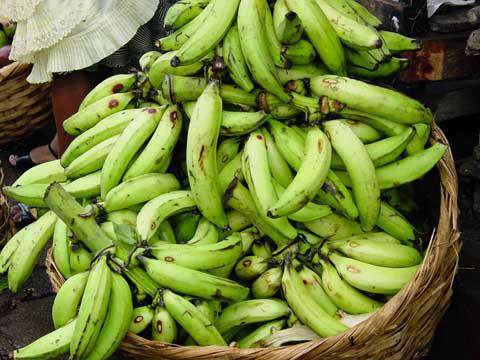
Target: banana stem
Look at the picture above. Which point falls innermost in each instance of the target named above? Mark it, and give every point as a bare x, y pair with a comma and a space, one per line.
141, 280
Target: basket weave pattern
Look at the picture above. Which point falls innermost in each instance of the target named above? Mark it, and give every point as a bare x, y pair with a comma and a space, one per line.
402, 329
24, 107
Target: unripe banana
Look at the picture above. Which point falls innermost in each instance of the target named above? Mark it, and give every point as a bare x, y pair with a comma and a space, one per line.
334, 193
164, 327
61, 248
226, 151
165, 233
387, 69
250, 312
250, 267
364, 13
115, 84
159, 209
50, 346
253, 339
202, 158
193, 282
394, 224
85, 187
45, 173
67, 300
288, 26
321, 33
301, 72
206, 233
267, 284
141, 318
279, 168
147, 59
237, 221
334, 227
274, 45
129, 142
185, 225
139, 189
366, 133
127, 217
300, 53
31, 245
183, 12
261, 248
80, 259
10, 247
235, 61
343, 295
93, 310
231, 171
419, 140
396, 42
30, 195
385, 126
92, 160
361, 59
372, 278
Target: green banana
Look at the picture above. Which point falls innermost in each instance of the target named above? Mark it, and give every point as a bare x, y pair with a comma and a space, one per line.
237, 221
183, 12
231, 171
133, 191
235, 61
250, 312
201, 257
104, 130
127, 217
364, 132
186, 225
115, 84
201, 152
288, 26
147, 60
361, 59
31, 195
343, 295
371, 99
212, 31
274, 45
165, 233
117, 321
334, 227
419, 140
267, 284
387, 69
85, 187
80, 259
253, 339
361, 169
226, 151
254, 44
305, 307
279, 168
61, 248
364, 13
141, 318
300, 72
385, 126
45, 173
300, 53
378, 236
372, 278
67, 300
92, 160
89, 116
164, 327
206, 310
250, 267
206, 233
93, 310
394, 224
193, 282
261, 248
397, 43
321, 33
160, 208
50, 346
10, 247
309, 178
189, 317
129, 142
31, 245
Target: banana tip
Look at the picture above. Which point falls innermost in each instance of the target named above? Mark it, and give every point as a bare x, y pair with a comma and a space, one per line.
175, 61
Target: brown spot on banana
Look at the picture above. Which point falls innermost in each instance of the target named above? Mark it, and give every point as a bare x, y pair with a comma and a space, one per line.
117, 88
169, 258
159, 326
138, 319
201, 158
353, 269
113, 103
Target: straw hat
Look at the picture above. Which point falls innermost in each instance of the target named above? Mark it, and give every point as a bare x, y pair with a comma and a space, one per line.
62, 36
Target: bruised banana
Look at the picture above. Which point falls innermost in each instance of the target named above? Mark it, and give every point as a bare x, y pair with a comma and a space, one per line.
164, 327
141, 318
114, 84
250, 267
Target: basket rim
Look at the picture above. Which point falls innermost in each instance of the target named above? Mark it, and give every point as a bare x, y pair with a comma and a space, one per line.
445, 238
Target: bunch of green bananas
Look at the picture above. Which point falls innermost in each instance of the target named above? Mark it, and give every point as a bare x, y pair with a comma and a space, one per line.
221, 211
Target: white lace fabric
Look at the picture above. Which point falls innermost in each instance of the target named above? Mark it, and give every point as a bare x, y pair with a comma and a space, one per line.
17, 10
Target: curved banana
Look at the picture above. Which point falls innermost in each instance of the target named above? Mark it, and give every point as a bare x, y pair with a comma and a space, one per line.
361, 169
160, 208
33, 241
147, 59
189, 317
384, 70
397, 43
250, 267
279, 168
371, 99
364, 13
300, 53
93, 310
31, 195
117, 321
139, 190
211, 32
343, 295
61, 248
310, 176
89, 116
288, 26
372, 278
251, 30
334, 227
226, 151
334, 193
301, 72
165, 233
104, 130
164, 327
364, 132
235, 61
10, 247
378, 236
80, 259
202, 155
361, 59
128, 143
67, 300
92, 160
183, 12
250, 312
201, 257
141, 318
185, 225
419, 140
274, 45
237, 221
85, 187
127, 217
206, 233
267, 284
50, 346
385, 126
45, 173
253, 339
394, 224
114, 84
261, 248
231, 171
193, 282
321, 33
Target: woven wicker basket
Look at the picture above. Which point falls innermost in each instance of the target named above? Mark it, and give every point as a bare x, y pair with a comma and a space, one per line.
402, 329
24, 107
7, 226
